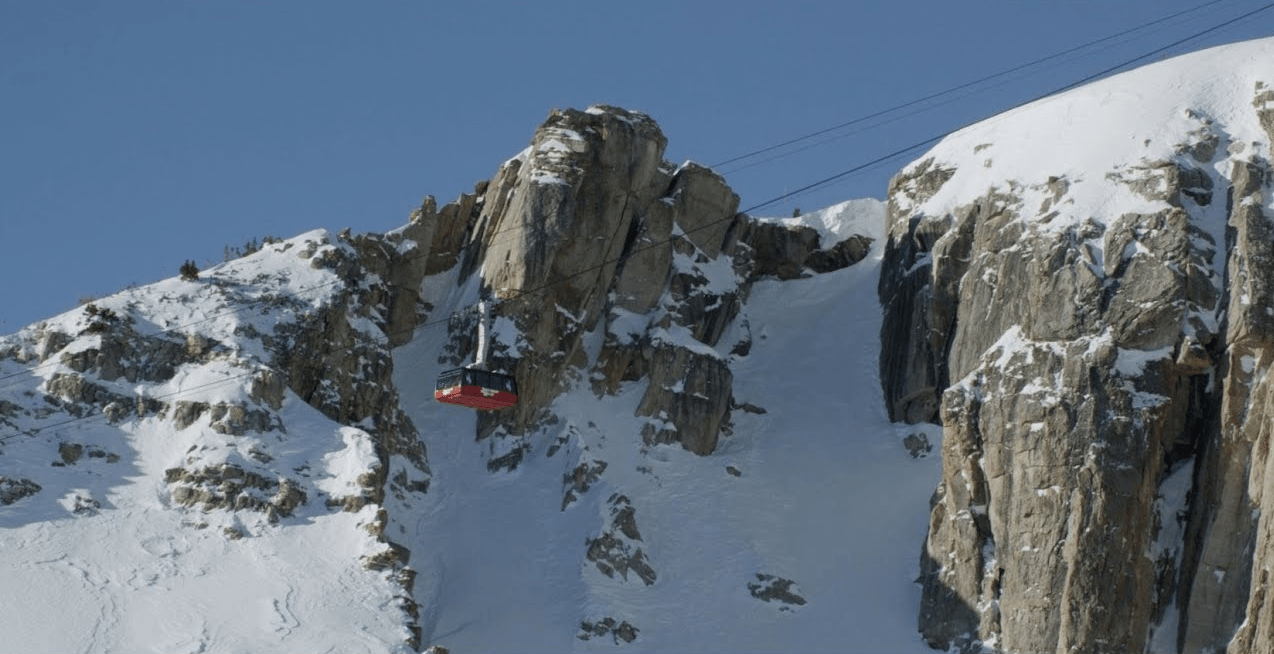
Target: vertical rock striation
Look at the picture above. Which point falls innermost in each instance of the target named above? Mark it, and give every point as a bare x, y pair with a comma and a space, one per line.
1094, 343
611, 265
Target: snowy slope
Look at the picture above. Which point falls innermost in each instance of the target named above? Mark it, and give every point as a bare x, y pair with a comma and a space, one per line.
812, 501
1154, 113
102, 559
825, 496
817, 490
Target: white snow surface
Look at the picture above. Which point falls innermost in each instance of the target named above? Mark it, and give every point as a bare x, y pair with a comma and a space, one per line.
1088, 132
840, 221
826, 496
101, 559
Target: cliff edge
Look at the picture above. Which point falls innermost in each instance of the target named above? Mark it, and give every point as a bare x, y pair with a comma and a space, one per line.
1080, 293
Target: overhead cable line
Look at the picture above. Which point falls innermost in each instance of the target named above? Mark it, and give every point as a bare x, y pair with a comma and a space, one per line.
1158, 51
101, 413
960, 87
1061, 89
182, 327
827, 180
899, 152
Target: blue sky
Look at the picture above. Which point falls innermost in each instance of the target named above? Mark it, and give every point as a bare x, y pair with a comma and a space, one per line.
136, 135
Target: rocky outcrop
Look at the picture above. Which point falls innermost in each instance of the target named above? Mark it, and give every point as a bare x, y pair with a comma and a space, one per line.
12, 490
612, 270
1089, 370
618, 550
342, 370
320, 354
688, 398
619, 631
589, 231
231, 487
132, 357
788, 251
771, 588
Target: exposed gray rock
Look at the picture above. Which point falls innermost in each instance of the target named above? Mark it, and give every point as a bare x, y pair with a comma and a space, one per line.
615, 550
367, 489
122, 352
564, 216
580, 479
618, 630
794, 251
232, 419
345, 373
917, 445
82, 505
1075, 369
12, 490
70, 452
770, 588
841, 255
689, 395
596, 232
1229, 544
10, 409
582, 228
506, 451
917, 318
229, 486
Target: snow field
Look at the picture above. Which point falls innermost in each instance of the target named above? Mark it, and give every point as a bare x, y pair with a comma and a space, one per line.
101, 559
825, 496
135, 573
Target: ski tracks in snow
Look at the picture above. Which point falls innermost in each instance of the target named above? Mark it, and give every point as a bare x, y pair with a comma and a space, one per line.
282, 620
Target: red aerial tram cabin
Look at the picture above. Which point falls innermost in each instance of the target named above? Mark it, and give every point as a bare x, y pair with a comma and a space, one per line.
476, 389
474, 386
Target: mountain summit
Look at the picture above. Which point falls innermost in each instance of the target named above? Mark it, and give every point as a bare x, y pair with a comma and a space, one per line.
720, 442
249, 456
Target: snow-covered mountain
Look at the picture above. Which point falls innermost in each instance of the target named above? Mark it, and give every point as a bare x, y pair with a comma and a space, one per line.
164, 487
252, 459
701, 458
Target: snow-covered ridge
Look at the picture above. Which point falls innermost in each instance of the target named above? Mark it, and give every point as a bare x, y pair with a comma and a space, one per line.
1154, 113
259, 478
840, 221
255, 405
153, 463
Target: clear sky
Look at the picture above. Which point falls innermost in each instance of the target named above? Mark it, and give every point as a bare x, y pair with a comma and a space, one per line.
136, 135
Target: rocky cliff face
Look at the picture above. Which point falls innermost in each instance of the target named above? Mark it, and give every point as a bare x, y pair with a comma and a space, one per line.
611, 265
1087, 313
